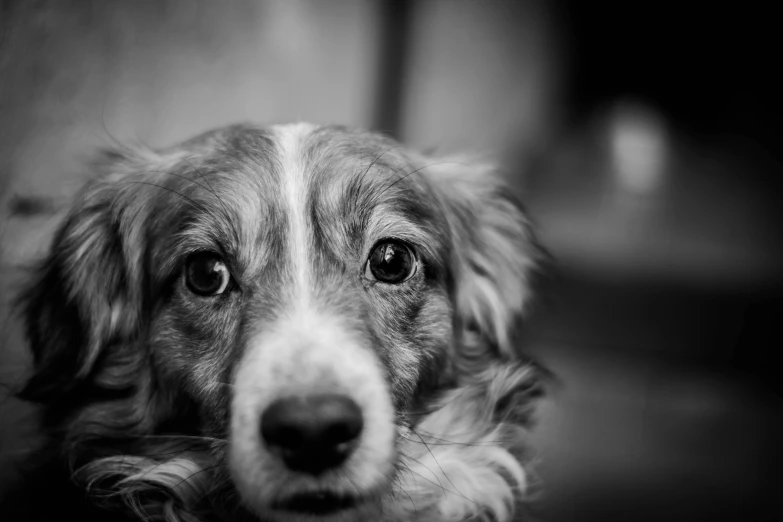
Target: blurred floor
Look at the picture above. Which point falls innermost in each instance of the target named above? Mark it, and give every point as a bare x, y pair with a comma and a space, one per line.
650, 418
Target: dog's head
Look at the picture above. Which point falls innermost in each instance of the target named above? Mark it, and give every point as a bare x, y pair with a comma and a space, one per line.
293, 318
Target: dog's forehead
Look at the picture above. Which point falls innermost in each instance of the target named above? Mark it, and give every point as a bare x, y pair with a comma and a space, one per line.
337, 153
267, 159
243, 187
333, 168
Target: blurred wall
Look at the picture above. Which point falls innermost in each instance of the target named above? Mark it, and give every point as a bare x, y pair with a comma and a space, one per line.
483, 77
77, 75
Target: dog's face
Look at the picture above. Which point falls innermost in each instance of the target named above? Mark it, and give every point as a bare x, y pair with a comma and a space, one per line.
295, 296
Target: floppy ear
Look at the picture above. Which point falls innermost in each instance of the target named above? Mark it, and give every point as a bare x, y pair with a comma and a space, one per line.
84, 296
494, 254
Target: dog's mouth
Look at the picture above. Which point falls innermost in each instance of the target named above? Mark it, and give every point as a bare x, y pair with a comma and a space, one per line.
319, 503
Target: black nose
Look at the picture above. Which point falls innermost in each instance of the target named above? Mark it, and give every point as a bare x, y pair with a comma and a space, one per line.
312, 433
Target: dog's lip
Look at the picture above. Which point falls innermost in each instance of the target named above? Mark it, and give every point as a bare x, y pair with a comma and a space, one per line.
322, 502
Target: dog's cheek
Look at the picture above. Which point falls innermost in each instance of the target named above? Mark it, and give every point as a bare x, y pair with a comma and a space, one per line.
413, 332
193, 350
432, 336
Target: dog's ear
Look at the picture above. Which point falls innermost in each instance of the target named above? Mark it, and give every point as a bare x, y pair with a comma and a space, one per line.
494, 254
84, 296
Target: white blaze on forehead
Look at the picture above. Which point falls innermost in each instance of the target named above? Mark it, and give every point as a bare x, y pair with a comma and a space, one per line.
290, 140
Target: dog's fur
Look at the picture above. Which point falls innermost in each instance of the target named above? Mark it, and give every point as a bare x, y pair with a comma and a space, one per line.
151, 394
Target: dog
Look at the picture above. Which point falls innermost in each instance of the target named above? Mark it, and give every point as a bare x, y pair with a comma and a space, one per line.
293, 323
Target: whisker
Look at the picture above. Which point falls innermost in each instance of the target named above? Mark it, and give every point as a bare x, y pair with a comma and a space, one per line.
413, 476
415, 509
436, 460
428, 165
117, 143
208, 468
182, 177
428, 469
186, 437
441, 486
473, 433
446, 442
172, 453
158, 466
226, 213
406, 176
375, 160
183, 196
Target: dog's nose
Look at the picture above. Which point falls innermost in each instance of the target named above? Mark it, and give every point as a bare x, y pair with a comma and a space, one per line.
312, 433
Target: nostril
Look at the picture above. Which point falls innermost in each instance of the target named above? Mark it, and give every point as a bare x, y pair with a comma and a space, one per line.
345, 430
312, 432
277, 433
340, 419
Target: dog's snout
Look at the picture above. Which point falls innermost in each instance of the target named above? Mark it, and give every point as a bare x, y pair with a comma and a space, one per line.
312, 433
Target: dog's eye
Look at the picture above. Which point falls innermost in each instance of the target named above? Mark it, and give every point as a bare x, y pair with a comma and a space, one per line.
206, 274
391, 261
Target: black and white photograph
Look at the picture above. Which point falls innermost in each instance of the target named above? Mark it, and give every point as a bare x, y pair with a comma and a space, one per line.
390, 261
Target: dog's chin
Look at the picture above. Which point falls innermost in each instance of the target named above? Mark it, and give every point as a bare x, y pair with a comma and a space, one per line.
322, 506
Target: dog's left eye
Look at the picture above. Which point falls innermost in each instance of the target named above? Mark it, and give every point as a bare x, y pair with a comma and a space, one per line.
206, 274
391, 261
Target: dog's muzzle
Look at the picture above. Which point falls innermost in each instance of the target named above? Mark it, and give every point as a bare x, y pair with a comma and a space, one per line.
312, 421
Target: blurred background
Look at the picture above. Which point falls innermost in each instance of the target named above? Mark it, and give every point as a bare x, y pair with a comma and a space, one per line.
644, 138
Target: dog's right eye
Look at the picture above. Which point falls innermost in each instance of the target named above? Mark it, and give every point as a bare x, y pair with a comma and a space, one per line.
206, 274
391, 261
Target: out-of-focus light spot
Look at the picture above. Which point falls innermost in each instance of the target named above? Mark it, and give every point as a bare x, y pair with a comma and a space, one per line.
639, 144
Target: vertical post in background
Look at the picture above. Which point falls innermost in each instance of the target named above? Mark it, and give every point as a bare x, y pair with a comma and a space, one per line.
393, 47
